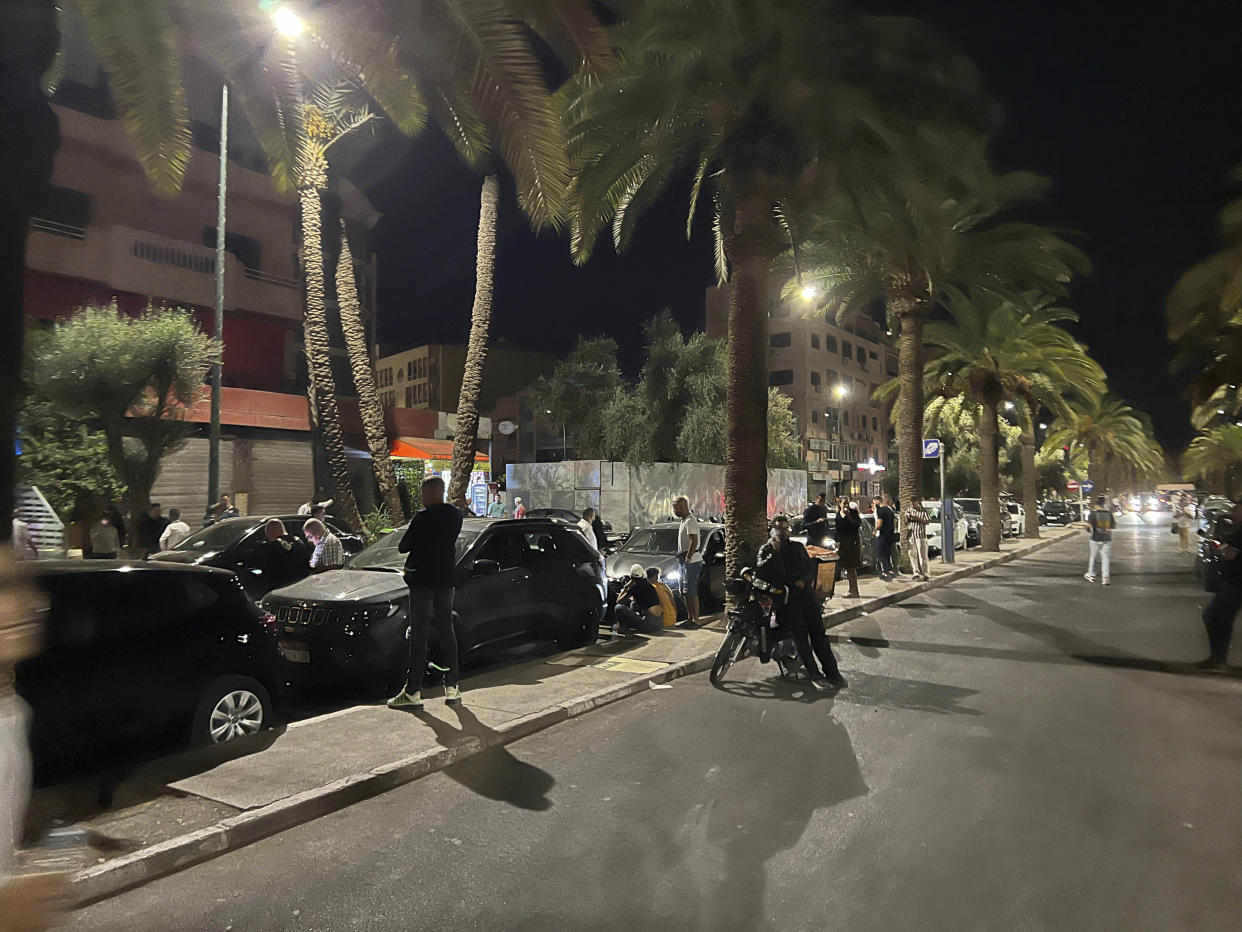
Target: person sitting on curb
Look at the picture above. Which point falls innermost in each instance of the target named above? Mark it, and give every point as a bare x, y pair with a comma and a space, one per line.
668, 605
638, 605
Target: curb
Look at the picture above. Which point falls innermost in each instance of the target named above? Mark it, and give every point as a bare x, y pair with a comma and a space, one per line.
147, 864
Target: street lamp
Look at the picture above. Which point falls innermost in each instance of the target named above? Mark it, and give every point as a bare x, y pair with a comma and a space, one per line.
841, 391
1043, 426
1008, 405
289, 24
809, 293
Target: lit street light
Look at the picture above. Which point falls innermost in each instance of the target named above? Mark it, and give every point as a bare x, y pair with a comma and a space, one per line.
841, 391
1043, 426
288, 22
809, 293
1008, 405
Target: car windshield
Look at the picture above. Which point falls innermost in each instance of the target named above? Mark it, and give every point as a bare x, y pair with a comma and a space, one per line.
971, 506
933, 511
1013, 509
652, 540
216, 537
1054, 506
384, 555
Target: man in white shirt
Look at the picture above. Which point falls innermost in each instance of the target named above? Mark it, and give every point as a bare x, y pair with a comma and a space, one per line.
690, 559
176, 532
584, 526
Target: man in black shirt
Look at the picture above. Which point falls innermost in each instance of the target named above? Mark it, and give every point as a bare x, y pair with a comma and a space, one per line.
430, 572
1218, 617
815, 522
635, 603
885, 536
279, 561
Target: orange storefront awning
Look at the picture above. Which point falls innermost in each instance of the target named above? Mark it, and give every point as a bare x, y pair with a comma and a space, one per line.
424, 448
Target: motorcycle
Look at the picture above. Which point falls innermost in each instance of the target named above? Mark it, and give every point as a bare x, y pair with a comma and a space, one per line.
753, 627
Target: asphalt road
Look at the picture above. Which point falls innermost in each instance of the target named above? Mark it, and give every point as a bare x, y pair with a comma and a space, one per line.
1020, 751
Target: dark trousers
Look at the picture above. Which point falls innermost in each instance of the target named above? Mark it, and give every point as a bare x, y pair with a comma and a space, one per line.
884, 554
805, 621
1218, 618
431, 607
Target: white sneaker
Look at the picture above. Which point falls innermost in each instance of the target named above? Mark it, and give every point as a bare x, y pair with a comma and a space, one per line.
1104, 582
1088, 577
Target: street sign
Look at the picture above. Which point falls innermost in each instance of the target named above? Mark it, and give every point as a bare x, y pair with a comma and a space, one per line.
1088, 486
931, 449
1072, 485
506, 427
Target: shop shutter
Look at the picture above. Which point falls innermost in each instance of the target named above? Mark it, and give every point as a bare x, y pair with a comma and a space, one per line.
283, 476
182, 482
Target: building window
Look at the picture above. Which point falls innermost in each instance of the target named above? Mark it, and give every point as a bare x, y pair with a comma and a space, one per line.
862, 355
247, 249
409, 370
875, 425
815, 379
814, 341
814, 417
833, 377
871, 354
830, 343
845, 418
781, 377
847, 349
409, 396
781, 339
64, 207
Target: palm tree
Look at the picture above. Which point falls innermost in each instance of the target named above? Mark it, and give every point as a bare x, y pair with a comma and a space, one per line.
1112, 433
922, 215
1216, 455
369, 408
993, 349
761, 102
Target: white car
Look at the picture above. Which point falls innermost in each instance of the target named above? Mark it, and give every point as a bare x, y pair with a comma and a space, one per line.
934, 527
1017, 519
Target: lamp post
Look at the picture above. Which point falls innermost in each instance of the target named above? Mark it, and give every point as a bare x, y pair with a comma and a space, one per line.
288, 23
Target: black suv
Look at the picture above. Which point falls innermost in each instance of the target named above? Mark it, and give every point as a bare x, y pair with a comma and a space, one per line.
517, 581
139, 655
1056, 513
231, 545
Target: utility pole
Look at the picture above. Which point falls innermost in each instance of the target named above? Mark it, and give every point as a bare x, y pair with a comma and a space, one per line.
213, 455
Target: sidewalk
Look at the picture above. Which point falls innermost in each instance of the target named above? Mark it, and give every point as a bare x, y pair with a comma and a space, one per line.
323, 764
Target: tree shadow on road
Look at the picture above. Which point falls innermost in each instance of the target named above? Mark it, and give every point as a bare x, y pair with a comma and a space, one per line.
492, 772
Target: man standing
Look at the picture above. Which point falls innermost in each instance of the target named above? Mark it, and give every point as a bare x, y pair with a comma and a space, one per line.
148, 529
497, 508
1100, 527
279, 561
328, 553
176, 532
914, 523
849, 543
105, 541
786, 563
430, 571
689, 558
1219, 615
815, 522
587, 528
885, 536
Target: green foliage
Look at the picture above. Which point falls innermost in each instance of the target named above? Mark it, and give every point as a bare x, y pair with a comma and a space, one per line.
410, 475
64, 457
955, 420
134, 376
375, 524
674, 412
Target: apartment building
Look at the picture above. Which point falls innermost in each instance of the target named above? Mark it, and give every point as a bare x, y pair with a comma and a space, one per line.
430, 376
830, 374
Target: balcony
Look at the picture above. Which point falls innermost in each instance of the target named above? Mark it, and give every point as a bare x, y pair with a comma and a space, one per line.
165, 269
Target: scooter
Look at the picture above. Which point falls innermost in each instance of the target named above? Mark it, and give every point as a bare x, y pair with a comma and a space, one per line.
753, 627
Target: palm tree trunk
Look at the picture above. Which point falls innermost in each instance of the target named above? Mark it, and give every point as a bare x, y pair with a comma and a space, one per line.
989, 475
910, 408
322, 383
1030, 478
467, 430
746, 388
369, 407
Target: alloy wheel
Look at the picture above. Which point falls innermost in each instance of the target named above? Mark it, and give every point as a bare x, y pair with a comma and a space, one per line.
238, 713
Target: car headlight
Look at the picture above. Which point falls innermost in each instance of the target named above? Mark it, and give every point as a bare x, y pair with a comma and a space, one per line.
674, 576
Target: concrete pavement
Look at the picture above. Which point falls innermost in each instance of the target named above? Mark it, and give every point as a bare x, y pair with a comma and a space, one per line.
1019, 750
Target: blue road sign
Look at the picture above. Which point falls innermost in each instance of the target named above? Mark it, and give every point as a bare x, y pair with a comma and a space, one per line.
1088, 486
931, 449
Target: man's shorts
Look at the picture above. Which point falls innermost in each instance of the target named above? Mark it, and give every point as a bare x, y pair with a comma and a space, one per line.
690, 578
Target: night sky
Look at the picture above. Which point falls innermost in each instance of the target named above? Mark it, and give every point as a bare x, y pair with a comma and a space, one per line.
1135, 113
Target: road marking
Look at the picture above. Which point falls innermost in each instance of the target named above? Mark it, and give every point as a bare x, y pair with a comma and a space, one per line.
630, 665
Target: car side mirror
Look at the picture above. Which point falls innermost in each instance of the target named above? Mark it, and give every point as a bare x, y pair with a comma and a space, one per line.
1202, 532
486, 568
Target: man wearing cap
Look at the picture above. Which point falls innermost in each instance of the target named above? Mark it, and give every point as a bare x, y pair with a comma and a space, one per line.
638, 605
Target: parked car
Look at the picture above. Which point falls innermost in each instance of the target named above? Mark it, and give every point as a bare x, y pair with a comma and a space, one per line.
144, 655
656, 545
934, 528
1210, 542
1017, 519
611, 539
1056, 514
231, 544
517, 581
1214, 508
973, 508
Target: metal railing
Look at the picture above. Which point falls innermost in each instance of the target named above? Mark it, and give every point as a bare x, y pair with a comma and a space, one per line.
270, 278
54, 227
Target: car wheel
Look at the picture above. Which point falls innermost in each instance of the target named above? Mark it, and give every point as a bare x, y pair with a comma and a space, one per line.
231, 707
580, 630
